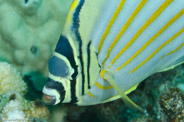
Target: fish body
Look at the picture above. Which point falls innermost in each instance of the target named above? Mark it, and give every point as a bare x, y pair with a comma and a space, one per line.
130, 39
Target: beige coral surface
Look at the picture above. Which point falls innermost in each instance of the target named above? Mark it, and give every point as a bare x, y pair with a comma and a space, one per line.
29, 30
13, 105
10, 80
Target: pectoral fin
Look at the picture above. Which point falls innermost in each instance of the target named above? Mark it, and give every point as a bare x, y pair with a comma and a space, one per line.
108, 76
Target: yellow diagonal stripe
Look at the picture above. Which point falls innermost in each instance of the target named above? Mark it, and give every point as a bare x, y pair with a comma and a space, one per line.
158, 49
146, 24
103, 87
175, 50
115, 15
125, 27
179, 14
90, 94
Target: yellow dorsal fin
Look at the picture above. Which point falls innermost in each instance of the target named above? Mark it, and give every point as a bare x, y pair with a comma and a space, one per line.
108, 76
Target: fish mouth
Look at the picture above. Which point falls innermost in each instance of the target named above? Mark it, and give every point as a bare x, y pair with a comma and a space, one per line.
48, 99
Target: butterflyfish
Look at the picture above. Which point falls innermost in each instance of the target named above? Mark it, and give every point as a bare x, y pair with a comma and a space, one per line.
108, 47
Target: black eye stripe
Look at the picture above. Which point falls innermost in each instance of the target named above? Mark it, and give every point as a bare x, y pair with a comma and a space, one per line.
63, 47
52, 84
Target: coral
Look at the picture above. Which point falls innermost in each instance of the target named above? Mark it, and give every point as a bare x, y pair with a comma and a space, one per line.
10, 80
29, 30
13, 105
172, 104
39, 111
13, 111
19, 109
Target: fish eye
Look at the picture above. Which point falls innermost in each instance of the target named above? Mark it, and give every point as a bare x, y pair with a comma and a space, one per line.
57, 63
49, 100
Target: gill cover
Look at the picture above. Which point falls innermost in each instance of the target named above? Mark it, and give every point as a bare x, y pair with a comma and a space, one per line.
62, 69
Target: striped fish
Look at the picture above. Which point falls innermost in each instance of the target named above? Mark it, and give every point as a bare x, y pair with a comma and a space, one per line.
109, 46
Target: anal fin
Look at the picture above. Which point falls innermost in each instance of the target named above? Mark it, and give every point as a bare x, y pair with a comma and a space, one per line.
108, 76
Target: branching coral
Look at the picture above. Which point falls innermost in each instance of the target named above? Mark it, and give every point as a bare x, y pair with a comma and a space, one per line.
13, 105
10, 80
13, 111
17, 110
